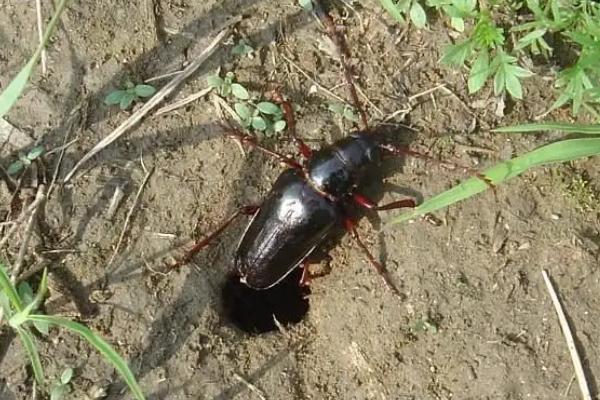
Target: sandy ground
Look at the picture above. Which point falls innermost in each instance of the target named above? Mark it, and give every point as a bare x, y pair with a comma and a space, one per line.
475, 320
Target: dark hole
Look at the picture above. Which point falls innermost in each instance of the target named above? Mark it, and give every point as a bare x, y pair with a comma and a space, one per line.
253, 310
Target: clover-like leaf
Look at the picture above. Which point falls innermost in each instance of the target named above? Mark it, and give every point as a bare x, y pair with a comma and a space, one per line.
144, 90
214, 81
35, 152
243, 111
242, 48
15, 167
66, 376
239, 91
267, 107
126, 100
259, 123
279, 126
114, 97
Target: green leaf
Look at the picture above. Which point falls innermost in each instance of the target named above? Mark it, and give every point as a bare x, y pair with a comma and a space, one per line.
392, 10
557, 152
32, 351
25, 292
226, 89
15, 167
66, 376
519, 72
336, 108
466, 7
456, 54
58, 392
35, 152
239, 91
9, 289
144, 90
267, 107
279, 126
479, 72
307, 5
214, 81
114, 97
126, 100
42, 328
242, 48
99, 344
499, 81
13, 91
513, 86
242, 110
528, 39
417, 15
5, 304
20, 317
259, 123
350, 115
458, 24
551, 126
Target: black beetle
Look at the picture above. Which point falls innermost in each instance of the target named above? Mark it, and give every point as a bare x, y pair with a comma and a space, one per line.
309, 199
304, 206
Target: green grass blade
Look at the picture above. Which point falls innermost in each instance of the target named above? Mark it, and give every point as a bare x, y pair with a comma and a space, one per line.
9, 289
393, 10
100, 344
562, 151
551, 126
14, 89
36, 364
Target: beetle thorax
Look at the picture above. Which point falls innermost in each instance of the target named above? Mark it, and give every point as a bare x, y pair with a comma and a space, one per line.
337, 170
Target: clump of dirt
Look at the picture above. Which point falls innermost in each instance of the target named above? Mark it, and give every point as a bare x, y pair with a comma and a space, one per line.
474, 321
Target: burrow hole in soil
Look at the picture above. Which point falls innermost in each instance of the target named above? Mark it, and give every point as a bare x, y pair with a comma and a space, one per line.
252, 310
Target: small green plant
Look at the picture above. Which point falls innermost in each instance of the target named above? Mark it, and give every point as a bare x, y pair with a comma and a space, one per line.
253, 113
582, 191
343, 110
242, 48
493, 50
399, 9
557, 152
61, 388
19, 306
484, 48
25, 160
130, 94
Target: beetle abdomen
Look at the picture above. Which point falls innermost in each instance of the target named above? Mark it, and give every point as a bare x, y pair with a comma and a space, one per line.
291, 222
